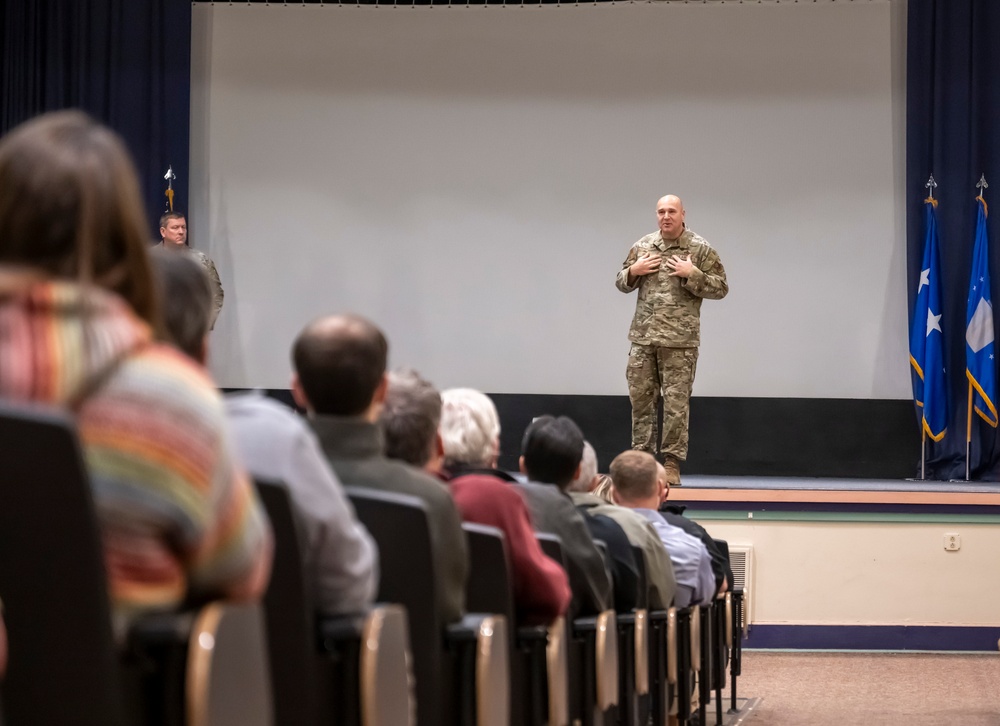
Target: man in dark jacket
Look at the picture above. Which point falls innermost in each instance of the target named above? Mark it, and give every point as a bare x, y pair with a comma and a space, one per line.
551, 451
340, 380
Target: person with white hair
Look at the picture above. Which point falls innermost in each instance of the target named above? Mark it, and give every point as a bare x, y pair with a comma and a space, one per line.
470, 439
470, 432
410, 420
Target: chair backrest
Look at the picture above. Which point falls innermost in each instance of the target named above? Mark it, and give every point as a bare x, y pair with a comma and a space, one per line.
63, 662
489, 588
552, 547
399, 525
642, 601
290, 615
602, 547
605, 658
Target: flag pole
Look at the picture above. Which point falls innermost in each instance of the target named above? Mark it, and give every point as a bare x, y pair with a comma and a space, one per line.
931, 185
923, 452
968, 434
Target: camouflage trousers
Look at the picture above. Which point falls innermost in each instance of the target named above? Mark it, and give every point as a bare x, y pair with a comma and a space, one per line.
656, 374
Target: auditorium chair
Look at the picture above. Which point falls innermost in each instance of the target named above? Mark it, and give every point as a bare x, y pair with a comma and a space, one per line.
538, 663
461, 669
633, 647
66, 665
737, 624
204, 667
686, 662
706, 654
635, 682
593, 656
351, 670
721, 639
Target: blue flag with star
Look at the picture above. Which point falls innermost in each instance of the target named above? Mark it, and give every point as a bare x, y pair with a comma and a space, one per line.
930, 389
980, 366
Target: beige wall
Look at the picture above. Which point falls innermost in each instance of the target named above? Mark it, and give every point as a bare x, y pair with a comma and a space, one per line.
868, 573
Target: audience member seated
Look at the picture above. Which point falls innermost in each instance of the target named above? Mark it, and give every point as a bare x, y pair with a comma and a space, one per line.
470, 434
186, 299
340, 380
551, 450
640, 533
78, 324
410, 418
639, 485
276, 445
674, 514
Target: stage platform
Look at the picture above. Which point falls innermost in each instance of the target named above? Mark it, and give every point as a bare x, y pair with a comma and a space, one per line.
748, 494
880, 541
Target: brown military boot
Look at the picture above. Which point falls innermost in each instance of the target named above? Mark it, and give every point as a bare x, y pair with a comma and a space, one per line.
673, 468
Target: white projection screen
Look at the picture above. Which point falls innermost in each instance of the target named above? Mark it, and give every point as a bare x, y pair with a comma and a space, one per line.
472, 178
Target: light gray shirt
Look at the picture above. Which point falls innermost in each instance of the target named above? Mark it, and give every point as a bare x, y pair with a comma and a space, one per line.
277, 445
692, 563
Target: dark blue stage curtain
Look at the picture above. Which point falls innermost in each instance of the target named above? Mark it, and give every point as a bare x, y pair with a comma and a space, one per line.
953, 132
126, 62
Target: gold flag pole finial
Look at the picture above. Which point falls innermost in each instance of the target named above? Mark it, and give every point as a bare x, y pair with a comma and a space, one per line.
170, 176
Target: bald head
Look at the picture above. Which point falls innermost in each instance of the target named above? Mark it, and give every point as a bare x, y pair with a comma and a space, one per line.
340, 364
670, 216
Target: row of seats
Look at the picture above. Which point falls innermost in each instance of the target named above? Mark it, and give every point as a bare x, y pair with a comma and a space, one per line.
72, 662
485, 670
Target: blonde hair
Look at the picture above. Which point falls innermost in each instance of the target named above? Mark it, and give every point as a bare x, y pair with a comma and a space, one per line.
605, 488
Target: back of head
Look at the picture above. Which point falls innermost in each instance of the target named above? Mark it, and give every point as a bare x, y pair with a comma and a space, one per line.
340, 361
70, 207
552, 448
410, 416
185, 298
634, 475
588, 470
470, 428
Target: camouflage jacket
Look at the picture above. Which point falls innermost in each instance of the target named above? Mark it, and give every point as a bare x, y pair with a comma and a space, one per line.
218, 295
667, 313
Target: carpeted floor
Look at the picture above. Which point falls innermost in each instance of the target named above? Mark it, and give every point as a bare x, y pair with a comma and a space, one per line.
875, 689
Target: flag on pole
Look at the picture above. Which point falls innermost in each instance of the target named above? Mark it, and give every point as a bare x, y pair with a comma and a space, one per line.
980, 366
930, 389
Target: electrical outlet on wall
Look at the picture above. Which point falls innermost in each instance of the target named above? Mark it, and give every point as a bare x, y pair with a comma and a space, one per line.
952, 542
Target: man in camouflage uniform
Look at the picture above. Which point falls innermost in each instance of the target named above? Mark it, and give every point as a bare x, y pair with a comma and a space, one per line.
673, 269
173, 233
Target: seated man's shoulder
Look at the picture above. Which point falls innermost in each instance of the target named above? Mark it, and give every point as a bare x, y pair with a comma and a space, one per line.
257, 407
163, 379
628, 519
484, 487
545, 493
199, 256
403, 478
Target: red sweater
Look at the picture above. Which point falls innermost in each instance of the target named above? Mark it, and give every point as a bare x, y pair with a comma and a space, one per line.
541, 588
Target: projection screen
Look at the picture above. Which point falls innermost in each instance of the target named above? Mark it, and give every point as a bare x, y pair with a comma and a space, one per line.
471, 179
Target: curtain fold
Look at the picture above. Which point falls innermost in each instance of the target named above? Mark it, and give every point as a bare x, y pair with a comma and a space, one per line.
953, 125
126, 62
